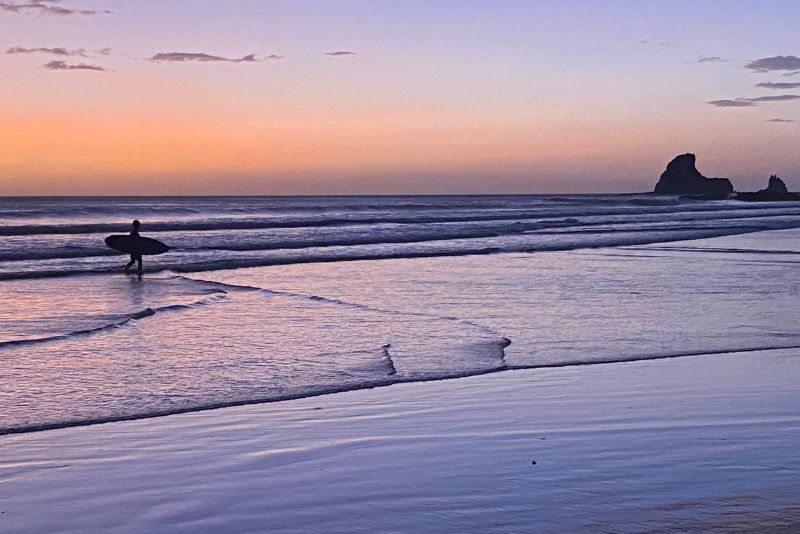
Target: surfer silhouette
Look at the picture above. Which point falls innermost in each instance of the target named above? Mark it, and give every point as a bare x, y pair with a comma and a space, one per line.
136, 257
135, 245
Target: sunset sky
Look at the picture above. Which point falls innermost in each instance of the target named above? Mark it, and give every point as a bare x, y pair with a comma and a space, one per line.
378, 96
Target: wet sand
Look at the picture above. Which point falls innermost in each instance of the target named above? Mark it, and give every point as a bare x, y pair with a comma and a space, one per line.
701, 443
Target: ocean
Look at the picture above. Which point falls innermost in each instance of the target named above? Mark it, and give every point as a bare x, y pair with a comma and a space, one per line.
270, 298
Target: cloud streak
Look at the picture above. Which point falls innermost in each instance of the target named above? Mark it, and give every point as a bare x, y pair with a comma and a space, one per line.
63, 65
779, 120
185, 57
776, 98
743, 102
710, 59
769, 64
59, 51
46, 7
779, 85
732, 103
340, 53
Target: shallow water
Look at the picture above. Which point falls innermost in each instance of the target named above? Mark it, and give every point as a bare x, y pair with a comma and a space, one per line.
84, 347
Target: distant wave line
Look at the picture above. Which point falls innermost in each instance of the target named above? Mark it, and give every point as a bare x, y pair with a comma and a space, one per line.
355, 255
270, 223
425, 235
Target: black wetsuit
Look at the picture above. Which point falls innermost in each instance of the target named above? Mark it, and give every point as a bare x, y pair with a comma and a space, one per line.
135, 257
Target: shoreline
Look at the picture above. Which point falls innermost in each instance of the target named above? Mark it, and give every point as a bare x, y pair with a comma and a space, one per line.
383, 384
634, 446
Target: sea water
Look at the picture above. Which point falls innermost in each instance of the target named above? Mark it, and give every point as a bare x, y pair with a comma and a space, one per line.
265, 298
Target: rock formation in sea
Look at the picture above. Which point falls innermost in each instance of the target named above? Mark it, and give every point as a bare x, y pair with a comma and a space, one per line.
682, 178
776, 190
776, 185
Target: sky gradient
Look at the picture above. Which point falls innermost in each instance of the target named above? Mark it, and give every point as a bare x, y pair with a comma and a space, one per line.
387, 97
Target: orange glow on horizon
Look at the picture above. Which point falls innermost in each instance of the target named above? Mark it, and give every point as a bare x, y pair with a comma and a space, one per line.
180, 154
90, 153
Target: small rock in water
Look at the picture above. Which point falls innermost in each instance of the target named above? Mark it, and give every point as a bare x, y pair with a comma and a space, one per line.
533, 462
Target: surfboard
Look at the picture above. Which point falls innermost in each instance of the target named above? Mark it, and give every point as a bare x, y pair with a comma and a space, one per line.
136, 245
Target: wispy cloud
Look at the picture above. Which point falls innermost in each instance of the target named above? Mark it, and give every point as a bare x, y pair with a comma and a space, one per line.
743, 102
63, 65
183, 57
46, 7
779, 85
340, 53
710, 59
768, 64
779, 120
59, 51
732, 103
775, 98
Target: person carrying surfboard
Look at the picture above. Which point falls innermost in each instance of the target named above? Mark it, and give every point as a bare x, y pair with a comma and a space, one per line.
135, 256
135, 245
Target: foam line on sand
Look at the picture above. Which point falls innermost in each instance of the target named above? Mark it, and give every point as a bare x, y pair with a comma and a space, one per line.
702, 443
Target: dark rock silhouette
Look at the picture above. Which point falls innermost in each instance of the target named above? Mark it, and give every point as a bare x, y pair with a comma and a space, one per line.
682, 178
776, 191
776, 185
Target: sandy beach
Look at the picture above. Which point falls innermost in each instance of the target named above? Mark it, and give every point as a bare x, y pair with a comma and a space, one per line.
705, 443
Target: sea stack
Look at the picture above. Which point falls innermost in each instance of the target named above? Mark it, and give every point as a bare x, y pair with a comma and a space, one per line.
682, 178
776, 185
776, 191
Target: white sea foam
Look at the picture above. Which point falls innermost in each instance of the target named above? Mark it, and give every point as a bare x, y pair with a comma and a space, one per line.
58, 237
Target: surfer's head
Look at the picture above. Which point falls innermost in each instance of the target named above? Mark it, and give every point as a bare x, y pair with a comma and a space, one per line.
136, 224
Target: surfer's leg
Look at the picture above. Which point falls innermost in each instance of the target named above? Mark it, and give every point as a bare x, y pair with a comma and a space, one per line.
139, 261
130, 263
